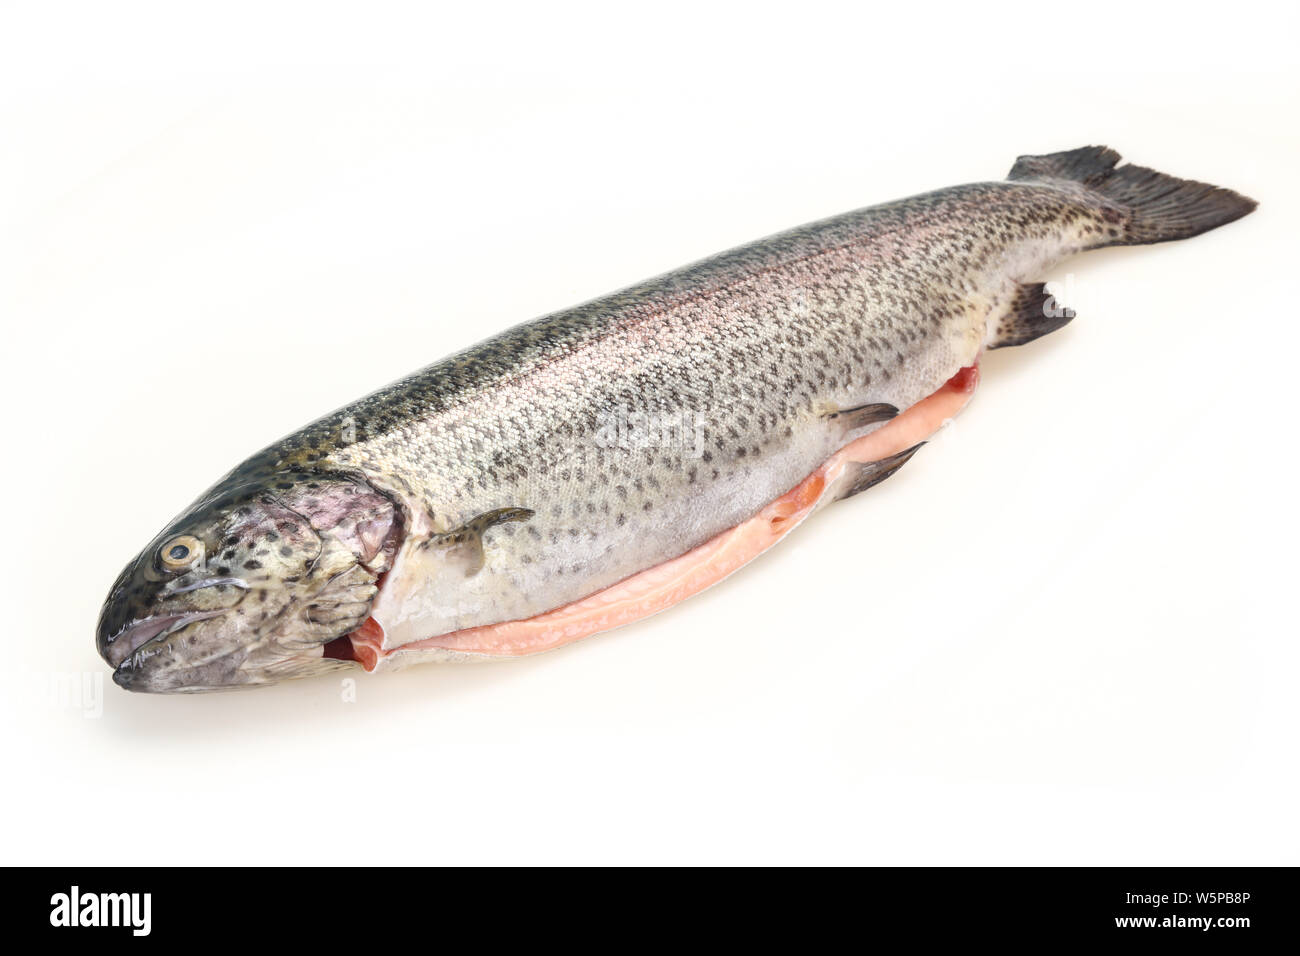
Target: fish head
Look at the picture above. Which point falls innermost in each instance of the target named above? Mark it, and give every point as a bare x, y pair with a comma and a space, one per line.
250, 584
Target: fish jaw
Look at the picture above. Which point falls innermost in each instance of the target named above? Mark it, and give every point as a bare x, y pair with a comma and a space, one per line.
222, 674
182, 659
659, 588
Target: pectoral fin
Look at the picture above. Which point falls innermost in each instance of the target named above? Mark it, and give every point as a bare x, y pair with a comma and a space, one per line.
464, 546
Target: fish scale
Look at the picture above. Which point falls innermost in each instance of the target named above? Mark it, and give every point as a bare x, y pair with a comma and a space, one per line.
748, 358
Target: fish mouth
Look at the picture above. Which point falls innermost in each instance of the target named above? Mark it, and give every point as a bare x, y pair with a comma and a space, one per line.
122, 646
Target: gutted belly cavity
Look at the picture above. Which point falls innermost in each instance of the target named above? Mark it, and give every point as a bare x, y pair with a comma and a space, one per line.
664, 585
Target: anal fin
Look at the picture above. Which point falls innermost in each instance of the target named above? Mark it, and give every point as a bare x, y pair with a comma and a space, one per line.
1033, 313
872, 473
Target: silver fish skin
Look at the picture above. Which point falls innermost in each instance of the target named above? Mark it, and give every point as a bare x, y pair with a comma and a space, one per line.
571, 452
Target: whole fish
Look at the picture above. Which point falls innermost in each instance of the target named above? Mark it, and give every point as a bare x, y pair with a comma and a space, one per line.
597, 465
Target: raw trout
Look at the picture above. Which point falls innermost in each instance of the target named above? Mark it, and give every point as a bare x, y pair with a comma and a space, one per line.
597, 465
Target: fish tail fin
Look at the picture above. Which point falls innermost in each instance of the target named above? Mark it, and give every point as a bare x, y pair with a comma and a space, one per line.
1152, 206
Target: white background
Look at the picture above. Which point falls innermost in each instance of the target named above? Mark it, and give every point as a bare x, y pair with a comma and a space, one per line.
1063, 634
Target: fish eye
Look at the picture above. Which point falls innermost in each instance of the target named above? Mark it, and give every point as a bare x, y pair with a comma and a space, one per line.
180, 552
